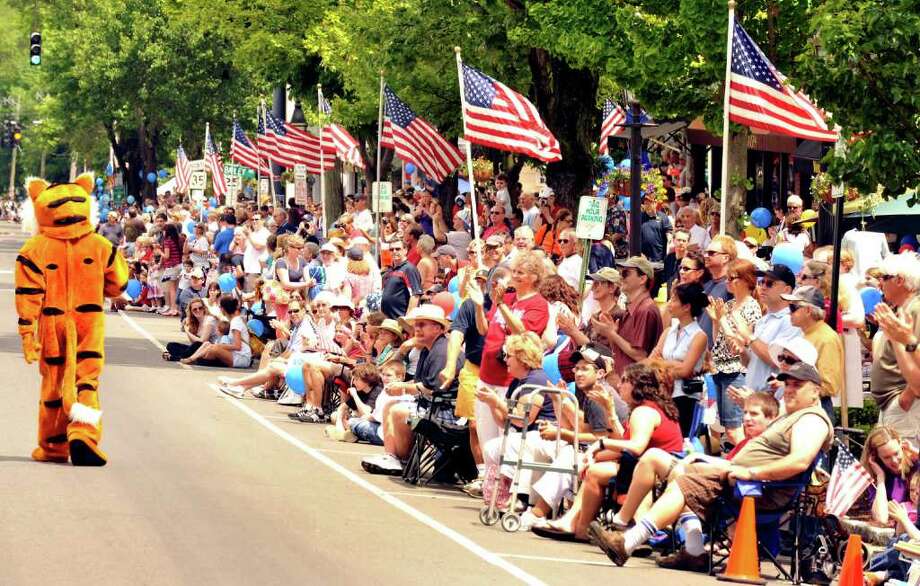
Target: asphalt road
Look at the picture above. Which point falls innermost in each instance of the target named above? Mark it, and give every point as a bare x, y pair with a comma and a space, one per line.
205, 489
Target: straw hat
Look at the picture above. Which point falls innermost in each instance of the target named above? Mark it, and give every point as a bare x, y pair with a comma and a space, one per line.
429, 312
392, 326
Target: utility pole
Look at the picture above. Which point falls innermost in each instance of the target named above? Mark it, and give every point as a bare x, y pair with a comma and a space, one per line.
14, 148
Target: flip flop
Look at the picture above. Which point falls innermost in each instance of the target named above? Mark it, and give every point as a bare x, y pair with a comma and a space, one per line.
557, 534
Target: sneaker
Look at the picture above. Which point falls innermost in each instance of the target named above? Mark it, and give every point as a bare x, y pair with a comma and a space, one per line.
474, 488
258, 392
684, 561
313, 415
529, 521
386, 464
235, 392
301, 413
611, 542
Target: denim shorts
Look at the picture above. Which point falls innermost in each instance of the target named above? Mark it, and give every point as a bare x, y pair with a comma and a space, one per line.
730, 413
367, 431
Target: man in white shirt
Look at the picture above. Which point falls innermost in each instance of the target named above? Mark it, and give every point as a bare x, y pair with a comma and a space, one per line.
363, 218
335, 270
570, 266
255, 253
531, 212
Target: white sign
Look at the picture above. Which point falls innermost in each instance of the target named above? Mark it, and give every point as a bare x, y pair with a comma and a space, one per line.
196, 165
234, 183
382, 196
263, 187
198, 180
300, 185
198, 196
592, 217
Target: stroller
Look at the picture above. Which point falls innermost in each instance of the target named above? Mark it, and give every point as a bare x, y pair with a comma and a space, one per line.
494, 511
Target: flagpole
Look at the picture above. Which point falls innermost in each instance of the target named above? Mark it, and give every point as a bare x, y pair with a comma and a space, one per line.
379, 162
322, 157
258, 155
469, 158
726, 104
204, 151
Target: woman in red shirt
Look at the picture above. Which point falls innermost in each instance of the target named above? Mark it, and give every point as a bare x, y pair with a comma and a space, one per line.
171, 265
653, 423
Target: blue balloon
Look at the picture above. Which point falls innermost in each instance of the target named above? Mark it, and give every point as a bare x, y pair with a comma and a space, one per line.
99, 182
190, 227
256, 327
257, 308
134, 288
551, 367
789, 255
213, 201
454, 285
870, 298
162, 173
130, 199
103, 214
104, 198
226, 282
625, 164
294, 378
151, 177
109, 170
410, 168
626, 201
761, 217
149, 209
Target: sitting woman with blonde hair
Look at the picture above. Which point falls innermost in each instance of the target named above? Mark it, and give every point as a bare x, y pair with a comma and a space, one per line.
893, 465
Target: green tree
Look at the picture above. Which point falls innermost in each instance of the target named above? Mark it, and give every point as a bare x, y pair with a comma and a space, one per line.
863, 66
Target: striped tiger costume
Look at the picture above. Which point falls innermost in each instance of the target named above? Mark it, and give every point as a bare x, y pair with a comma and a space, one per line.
62, 276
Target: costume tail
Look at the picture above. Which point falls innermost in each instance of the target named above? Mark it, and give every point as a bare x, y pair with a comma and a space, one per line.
78, 412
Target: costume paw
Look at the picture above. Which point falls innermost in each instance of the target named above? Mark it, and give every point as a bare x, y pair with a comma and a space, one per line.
84, 452
40, 454
31, 349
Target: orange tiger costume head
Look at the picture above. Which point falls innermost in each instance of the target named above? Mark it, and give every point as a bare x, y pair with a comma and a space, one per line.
62, 210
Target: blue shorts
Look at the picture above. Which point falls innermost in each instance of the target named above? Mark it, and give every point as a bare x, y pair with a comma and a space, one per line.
367, 431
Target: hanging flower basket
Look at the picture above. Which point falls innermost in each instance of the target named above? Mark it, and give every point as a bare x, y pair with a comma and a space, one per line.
482, 170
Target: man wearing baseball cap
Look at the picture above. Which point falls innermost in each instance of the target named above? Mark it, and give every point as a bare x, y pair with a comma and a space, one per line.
448, 264
632, 337
807, 313
605, 292
195, 289
774, 326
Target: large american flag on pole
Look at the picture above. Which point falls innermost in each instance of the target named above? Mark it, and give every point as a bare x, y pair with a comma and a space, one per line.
308, 145
614, 117
417, 141
337, 140
496, 116
183, 171
242, 151
214, 164
760, 97
849, 480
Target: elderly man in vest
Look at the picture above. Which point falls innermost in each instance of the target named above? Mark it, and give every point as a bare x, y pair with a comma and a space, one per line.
784, 450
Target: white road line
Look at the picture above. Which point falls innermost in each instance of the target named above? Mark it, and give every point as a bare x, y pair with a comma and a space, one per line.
419, 516
6, 272
540, 558
137, 327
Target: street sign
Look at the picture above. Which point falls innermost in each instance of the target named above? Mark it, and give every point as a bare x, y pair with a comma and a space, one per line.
233, 170
592, 216
196, 165
300, 185
198, 180
118, 193
382, 196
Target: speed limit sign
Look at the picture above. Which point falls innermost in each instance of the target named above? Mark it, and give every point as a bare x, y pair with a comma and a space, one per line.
198, 180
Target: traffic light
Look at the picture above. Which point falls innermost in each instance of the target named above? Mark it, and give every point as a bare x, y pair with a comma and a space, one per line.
35, 48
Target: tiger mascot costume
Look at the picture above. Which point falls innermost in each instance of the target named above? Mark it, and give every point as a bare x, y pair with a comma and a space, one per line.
62, 276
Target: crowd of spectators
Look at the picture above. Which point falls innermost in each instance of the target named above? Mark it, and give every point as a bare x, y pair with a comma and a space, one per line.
368, 335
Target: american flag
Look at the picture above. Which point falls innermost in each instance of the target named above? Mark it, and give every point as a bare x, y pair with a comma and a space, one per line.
496, 116
417, 141
295, 146
183, 171
215, 165
268, 146
338, 140
324, 106
243, 152
848, 481
759, 96
614, 116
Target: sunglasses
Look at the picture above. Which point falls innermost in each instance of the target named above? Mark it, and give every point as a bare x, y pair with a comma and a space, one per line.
494, 213
564, 241
714, 252
294, 310
788, 360
794, 308
194, 309
684, 269
767, 283
886, 277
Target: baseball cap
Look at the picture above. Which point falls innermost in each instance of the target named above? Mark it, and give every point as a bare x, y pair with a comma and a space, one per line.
779, 273
495, 241
801, 371
328, 247
607, 275
640, 263
593, 354
196, 273
446, 250
798, 346
355, 253
806, 295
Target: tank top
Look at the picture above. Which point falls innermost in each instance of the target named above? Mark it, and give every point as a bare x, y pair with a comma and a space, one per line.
776, 441
666, 435
676, 346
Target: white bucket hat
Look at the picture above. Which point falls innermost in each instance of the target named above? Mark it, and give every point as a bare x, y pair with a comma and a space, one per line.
797, 346
429, 312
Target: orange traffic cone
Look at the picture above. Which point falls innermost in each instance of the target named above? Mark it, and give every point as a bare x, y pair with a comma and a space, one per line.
743, 562
851, 574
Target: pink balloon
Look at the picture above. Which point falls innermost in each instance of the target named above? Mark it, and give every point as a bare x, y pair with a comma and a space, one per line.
445, 301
